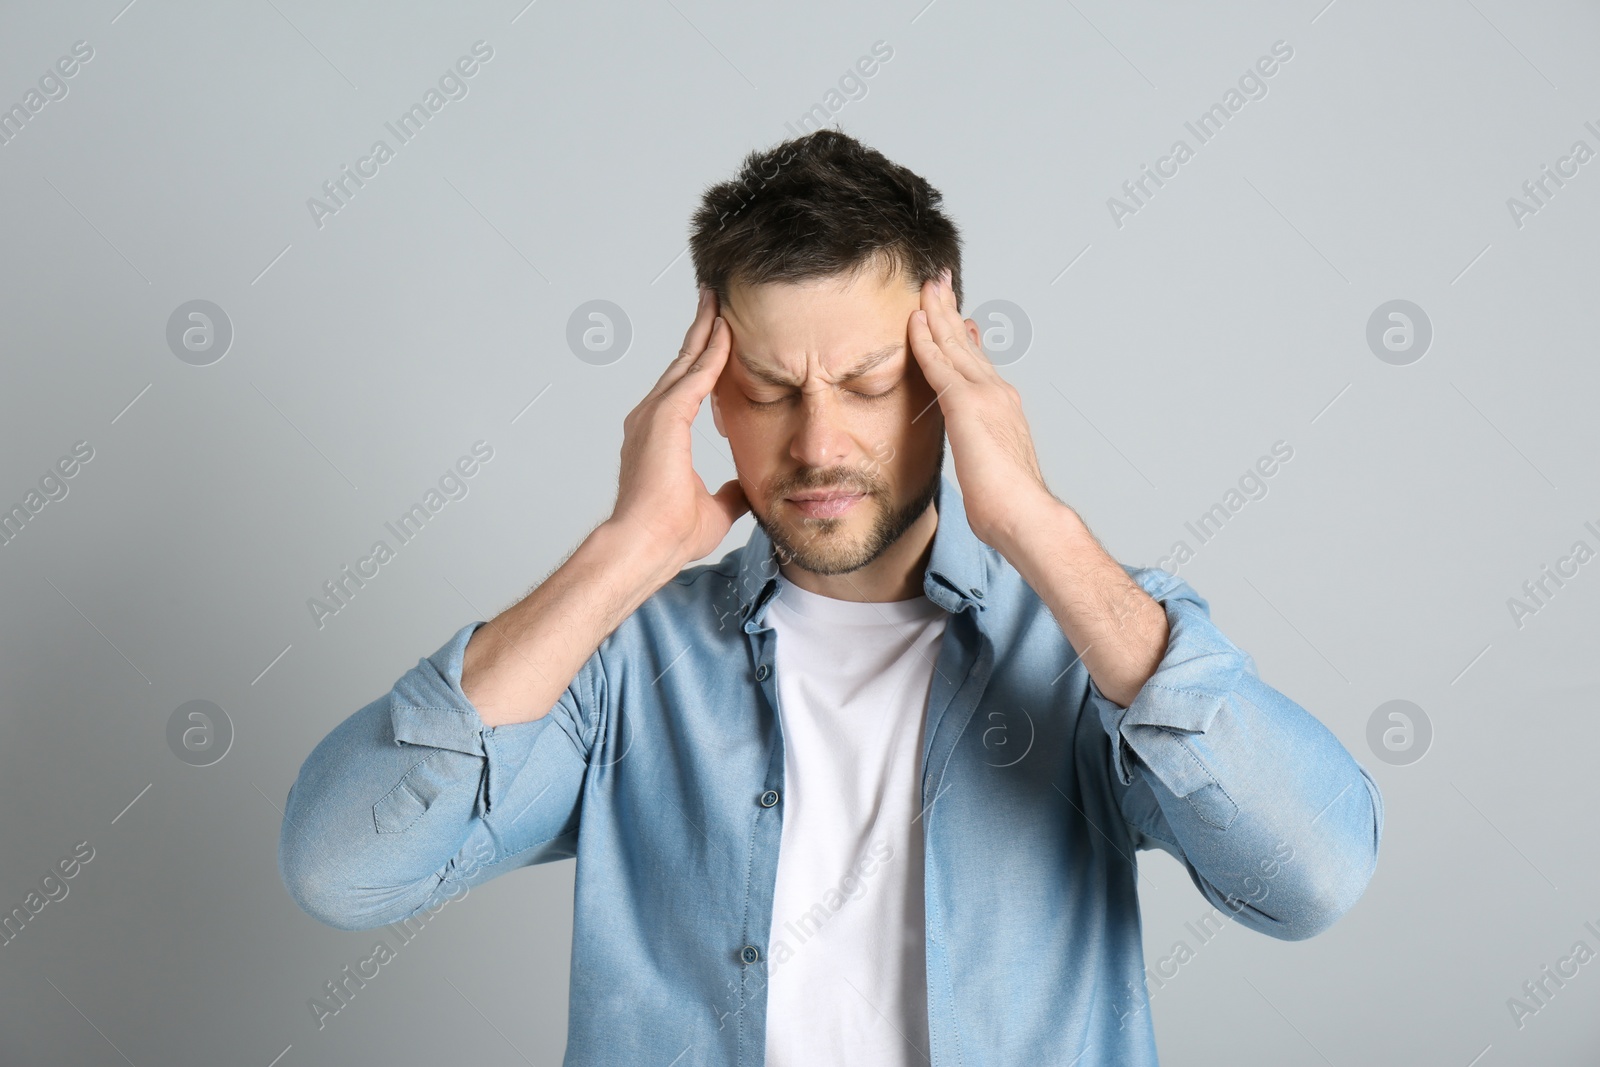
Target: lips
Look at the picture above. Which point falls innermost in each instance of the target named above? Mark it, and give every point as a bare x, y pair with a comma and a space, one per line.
825, 503
823, 494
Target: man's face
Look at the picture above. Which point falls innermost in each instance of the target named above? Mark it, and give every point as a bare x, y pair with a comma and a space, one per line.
822, 395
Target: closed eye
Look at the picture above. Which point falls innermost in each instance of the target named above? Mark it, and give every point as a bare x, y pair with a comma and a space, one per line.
868, 397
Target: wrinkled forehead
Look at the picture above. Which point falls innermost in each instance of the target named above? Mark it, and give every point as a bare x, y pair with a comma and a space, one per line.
844, 325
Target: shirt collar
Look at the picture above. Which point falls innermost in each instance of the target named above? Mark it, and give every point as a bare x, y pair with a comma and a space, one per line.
956, 577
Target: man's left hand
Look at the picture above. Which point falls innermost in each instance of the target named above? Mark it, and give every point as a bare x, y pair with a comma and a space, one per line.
989, 438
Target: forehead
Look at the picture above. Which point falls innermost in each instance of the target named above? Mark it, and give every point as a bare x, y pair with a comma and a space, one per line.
835, 321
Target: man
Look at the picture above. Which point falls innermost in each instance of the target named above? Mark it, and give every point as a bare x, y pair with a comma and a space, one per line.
869, 789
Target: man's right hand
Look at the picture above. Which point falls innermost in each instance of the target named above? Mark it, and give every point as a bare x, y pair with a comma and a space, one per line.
659, 495
515, 668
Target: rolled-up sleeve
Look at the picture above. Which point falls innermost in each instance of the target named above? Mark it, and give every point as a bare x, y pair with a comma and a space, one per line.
413, 798
1272, 816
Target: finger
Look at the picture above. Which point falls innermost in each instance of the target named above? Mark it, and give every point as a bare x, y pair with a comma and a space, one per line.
700, 330
700, 377
694, 342
960, 325
949, 329
935, 364
947, 292
936, 322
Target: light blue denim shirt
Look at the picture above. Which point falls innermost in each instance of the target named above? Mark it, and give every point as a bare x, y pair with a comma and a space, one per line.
661, 770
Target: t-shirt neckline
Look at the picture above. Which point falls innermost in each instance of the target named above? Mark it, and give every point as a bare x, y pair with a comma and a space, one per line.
854, 612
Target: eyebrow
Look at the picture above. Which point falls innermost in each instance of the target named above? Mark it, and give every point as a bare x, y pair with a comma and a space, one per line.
871, 361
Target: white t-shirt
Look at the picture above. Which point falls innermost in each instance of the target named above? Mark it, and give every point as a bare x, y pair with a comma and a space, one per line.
846, 963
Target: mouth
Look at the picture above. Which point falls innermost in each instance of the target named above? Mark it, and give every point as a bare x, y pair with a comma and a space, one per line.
825, 503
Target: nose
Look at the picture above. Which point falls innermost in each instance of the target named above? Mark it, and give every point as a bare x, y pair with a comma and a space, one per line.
819, 440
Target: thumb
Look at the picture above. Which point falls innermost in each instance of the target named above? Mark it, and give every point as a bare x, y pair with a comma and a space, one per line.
730, 499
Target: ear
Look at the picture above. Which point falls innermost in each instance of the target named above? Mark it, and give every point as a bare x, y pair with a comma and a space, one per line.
716, 409
974, 335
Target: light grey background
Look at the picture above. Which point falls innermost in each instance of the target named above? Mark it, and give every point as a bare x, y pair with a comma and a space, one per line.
1229, 313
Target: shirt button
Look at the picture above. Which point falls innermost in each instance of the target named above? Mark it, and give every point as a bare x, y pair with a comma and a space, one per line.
976, 593
750, 954
761, 673
769, 798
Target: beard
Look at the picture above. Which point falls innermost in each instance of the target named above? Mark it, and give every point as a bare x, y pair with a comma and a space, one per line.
822, 548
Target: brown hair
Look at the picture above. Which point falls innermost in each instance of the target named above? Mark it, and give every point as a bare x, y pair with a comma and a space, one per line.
816, 206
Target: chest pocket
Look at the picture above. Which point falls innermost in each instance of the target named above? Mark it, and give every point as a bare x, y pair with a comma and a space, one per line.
411, 797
